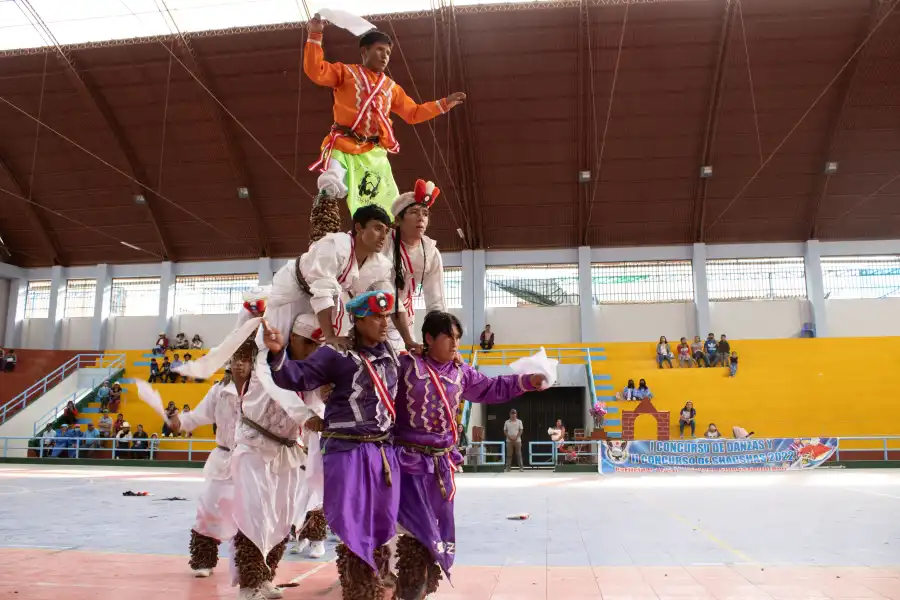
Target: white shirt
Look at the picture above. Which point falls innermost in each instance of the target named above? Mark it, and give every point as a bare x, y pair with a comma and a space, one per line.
421, 264
221, 406
513, 428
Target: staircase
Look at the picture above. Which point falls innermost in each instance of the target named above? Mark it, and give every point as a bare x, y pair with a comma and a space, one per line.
36, 372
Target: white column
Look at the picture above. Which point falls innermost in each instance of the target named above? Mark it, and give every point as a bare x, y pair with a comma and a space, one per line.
478, 313
57, 308
265, 271
815, 287
166, 296
15, 315
102, 301
701, 290
586, 296
468, 297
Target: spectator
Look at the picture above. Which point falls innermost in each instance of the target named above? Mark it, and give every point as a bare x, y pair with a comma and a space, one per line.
181, 342
487, 338
643, 392
176, 362
48, 440
188, 358
557, 433
10, 361
105, 425
140, 447
70, 414
165, 370
154, 446
724, 349
103, 395
91, 438
740, 433
184, 410
123, 441
733, 365
663, 352
628, 393
462, 444
684, 354
154, 371
162, 344
196, 343
712, 350
61, 445
697, 351
171, 411
687, 417
76, 441
712, 432
115, 397
118, 425
513, 429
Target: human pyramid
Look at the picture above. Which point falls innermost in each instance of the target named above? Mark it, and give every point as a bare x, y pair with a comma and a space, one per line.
333, 413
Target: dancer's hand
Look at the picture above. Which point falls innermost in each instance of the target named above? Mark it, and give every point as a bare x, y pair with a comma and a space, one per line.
272, 338
537, 381
314, 423
455, 99
316, 24
458, 359
415, 348
339, 343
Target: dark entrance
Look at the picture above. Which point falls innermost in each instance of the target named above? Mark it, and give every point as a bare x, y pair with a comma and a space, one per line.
538, 411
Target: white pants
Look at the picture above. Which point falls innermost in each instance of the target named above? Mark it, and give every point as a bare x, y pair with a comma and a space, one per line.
215, 510
331, 181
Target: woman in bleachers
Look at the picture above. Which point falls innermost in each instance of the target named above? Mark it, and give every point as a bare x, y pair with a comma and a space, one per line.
712, 432
643, 392
663, 352
687, 418
196, 343
115, 397
70, 414
629, 393
171, 411
684, 354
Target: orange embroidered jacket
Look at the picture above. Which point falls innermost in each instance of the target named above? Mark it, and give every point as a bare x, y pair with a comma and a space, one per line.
350, 92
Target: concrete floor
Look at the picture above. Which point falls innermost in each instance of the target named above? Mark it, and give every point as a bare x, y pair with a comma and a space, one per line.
819, 534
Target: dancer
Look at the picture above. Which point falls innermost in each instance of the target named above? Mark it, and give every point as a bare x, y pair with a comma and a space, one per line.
214, 523
354, 158
361, 486
416, 261
428, 396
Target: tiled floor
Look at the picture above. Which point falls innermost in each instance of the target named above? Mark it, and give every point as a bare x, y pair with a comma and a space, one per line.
830, 534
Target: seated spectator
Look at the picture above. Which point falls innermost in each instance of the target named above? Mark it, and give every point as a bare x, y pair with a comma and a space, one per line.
62, 442
487, 338
105, 425
462, 444
154, 372
181, 342
733, 365
184, 410
712, 432
103, 395
724, 351
70, 414
48, 440
740, 433
196, 343
123, 441
154, 445
176, 362
663, 352
712, 350
171, 411
115, 397
165, 370
628, 393
684, 354
643, 392
697, 351
91, 438
76, 441
188, 358
687, 417
140, 448
10, 361
118, 425
162, 344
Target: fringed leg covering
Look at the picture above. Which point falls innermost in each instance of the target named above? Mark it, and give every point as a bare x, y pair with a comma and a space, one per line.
204, 551
248, 560
358, 581
274, 557
412, 566
315, 527
325, 217
386, 578
433, 580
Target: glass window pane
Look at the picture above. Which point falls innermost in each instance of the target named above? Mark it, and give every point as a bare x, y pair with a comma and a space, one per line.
756, 278
134, 297
642, 282
452, 290
80, 296
37, 300
212, 294
852, 277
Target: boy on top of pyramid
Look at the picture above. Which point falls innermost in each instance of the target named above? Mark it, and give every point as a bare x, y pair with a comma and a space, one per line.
354, 157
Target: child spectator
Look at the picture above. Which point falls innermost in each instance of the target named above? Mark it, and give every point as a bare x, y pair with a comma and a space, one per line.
628, 393
103, 395
196, 343
176, 362
712, 433
184, 410
733, 365
165, 370
115, 397
487, 338
181, 342
188, 358
154, 371
105, 425
724, 349
687, 417
140, 447
118, 425
48, 440
162, 344
154, 445
10, 361
712, 350
171, 411
697, 351
684, 354
70, 414
643, 392
663, 352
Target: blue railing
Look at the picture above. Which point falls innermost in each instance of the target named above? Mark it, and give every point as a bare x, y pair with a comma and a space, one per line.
83, 448
483, 453
507, 355
885, 446
547, 454
51, 380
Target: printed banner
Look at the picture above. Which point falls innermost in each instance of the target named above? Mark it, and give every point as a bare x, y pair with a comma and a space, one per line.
763, 454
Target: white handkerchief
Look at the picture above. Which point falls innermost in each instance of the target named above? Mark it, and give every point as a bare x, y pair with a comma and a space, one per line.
345, 20
151, 398
538, 363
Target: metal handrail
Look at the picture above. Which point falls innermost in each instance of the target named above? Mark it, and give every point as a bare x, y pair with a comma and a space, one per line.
576, 446
478, 453
504, 354
83, 448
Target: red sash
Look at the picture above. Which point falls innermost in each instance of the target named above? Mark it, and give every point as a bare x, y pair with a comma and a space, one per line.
380, 388
407, 265
442, 392
339, 316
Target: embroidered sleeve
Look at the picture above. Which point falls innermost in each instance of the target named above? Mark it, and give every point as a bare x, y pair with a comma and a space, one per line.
321, 267
413, 113
480, 388
306, 375
317, 68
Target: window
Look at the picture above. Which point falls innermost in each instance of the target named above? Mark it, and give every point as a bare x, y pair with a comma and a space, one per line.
212, 294
80, 295
642, 282
134, 297
452, 290
756, 278
850, 277
547, 285
37, 300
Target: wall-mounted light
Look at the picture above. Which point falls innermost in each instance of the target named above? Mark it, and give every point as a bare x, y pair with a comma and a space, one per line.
139, 199
706, 171
584, 176
831, 167
243, 193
